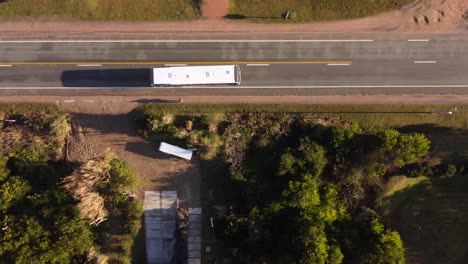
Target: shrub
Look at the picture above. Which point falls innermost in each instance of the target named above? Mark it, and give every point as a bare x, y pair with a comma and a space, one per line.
410, 149
60, 127
167, 119
210, 146
389, 137
189, 125
450, 171
418, 169
134, 213
121, 176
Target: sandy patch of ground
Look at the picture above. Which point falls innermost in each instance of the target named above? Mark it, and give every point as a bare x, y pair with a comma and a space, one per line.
215, 9
435, 15
441, 16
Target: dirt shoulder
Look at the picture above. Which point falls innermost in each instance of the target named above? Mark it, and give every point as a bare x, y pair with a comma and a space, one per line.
420, 16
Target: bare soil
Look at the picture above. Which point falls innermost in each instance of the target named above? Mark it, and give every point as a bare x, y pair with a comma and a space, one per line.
442, 16
215, 9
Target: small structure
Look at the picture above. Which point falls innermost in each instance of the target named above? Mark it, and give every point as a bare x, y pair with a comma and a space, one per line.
176, 151
160, 225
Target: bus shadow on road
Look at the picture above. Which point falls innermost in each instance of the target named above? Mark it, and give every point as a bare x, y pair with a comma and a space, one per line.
140, 77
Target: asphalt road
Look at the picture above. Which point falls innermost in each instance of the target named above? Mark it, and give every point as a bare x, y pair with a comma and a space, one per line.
271, 61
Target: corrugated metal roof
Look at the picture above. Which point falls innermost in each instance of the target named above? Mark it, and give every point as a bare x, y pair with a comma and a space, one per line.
176, 151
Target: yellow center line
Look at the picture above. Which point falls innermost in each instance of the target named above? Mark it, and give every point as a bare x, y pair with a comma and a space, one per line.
173, 62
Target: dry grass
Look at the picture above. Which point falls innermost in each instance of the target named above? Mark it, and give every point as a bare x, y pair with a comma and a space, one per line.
310, 10
83, 185
398, 183
126, 10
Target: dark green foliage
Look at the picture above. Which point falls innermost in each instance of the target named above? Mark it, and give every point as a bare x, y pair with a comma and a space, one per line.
121, 176
42, 226
133, 216
450, 171
12, 191
390, 138
410, 148
419, 169
304, 193
125, 213
388, 246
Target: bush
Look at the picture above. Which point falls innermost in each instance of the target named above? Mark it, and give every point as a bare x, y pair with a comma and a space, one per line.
134, 213
409, 149
60, 127
449, 171
210, 146
121, 176
419, 169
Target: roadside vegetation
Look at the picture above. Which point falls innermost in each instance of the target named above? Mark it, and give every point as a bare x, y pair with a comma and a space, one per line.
51, 212
315, 184
273, 11
103, 10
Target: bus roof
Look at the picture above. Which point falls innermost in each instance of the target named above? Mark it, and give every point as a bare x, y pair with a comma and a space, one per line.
221, 74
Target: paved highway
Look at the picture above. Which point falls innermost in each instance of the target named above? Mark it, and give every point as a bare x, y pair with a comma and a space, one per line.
291, 60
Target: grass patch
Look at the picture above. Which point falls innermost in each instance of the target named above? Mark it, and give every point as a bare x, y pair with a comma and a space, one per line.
21, 109
398, 183
432, 220
273, 11
99, 10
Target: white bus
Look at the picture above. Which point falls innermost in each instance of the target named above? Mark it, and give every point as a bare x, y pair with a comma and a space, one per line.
196, 75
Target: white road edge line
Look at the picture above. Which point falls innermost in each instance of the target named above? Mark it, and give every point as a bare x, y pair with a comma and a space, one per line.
247, 87
175, 64
418, 40
89, 65
5, 65
258, 64
187, 41
338, 64
425, 62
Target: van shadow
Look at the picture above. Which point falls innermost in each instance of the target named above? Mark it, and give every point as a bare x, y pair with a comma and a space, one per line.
140, 77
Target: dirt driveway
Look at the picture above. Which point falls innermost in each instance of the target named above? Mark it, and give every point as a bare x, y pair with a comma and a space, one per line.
100, 124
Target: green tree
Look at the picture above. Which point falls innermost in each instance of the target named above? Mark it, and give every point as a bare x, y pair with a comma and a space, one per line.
314, 156
27, 239
388, 248
303, 194
12, 191
390, 138
410, 149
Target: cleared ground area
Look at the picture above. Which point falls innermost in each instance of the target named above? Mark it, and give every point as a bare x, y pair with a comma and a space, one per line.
143, 10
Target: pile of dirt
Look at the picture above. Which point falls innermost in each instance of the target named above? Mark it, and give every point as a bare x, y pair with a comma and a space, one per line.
435, 15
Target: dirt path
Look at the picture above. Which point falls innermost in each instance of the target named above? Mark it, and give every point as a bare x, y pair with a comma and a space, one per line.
442, 16
215, 9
